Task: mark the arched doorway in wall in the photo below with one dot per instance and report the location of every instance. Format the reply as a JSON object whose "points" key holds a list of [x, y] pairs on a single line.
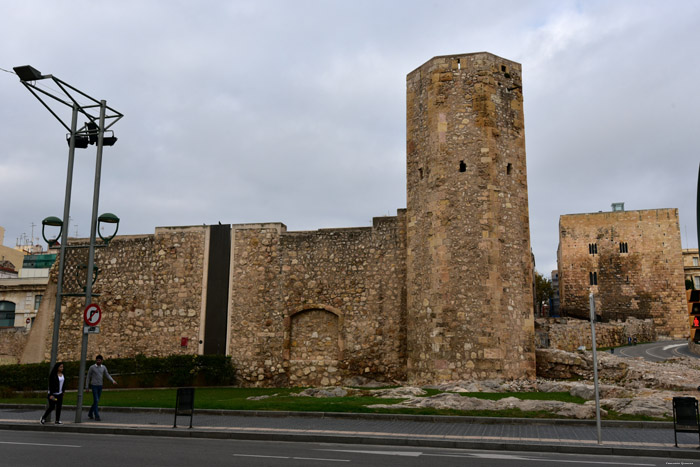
{"points": [[7, 314], [314, 345]]}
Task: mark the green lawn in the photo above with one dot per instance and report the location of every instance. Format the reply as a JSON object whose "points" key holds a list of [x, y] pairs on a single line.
{"points": [[236, 399]]}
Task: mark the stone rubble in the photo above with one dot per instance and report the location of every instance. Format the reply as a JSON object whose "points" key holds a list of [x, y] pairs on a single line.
{"points": [[630, 386]]}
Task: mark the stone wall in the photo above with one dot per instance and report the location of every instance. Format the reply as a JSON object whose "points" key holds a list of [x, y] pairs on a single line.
{"points": [[570, 334], [12, 342], [442, 291], [313, 308], [150, 291], [637, 262], [559, 364], [469, 266]]}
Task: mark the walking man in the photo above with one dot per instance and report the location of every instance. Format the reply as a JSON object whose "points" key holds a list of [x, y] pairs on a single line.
{"points": [[94, 382]]}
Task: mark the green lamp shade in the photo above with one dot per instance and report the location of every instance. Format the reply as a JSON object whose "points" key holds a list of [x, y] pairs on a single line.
{"points": [[53, 221]]}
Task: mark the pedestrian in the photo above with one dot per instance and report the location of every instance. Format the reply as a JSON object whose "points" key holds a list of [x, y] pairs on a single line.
{"points": [[94, 381], [56, 385]]}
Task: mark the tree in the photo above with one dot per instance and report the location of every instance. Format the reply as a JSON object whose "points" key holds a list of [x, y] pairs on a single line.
{"points": [[543, 291]]}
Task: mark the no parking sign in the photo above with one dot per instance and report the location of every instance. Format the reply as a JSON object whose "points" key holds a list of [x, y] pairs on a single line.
{"points": [[92, 315]]}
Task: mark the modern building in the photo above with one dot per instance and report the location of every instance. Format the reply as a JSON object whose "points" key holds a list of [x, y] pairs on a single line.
{"points": [[691, 267]]}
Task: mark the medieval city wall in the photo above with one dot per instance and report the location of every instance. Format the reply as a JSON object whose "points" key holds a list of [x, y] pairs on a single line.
{"points": [[150, 291], [570, 334], [469, 267], [313, 308], [644, 280], [12, 343]]}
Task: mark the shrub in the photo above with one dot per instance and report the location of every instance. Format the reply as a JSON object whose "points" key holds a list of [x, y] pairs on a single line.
{"points": [[139, 371]]}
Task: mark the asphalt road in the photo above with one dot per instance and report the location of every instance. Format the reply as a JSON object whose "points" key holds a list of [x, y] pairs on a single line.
{"points": [[32, 448], [657, 351]]}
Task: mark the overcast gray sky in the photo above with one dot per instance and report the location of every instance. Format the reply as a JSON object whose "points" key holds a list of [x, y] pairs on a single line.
{"points": [[294, 111]]}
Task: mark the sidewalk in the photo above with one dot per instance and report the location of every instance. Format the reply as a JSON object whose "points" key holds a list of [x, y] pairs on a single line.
{"points": [[653, 439]]}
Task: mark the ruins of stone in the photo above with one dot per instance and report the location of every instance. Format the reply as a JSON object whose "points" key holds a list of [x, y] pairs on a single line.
{"points": [[439, 292]]}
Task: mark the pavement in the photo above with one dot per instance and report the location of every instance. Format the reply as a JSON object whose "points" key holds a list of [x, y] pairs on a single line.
{"points": [[653, 439]]}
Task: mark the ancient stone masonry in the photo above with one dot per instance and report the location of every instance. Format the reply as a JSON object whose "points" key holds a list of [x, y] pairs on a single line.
{"points": [[440, 291], [12, 341], [150, 291], [631, 261], [318, 307], [570, 334], [469, 268]]}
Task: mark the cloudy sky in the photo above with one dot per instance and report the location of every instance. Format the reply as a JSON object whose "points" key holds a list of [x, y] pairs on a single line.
{"points": [[294, 111]]}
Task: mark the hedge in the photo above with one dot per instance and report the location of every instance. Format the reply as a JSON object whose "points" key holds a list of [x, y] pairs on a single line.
{"points": [[139, 371]]}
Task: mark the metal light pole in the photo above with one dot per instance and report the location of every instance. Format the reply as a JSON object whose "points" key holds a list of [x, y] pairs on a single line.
{"points": [[91, 263], [591, 300], [93, 132]]}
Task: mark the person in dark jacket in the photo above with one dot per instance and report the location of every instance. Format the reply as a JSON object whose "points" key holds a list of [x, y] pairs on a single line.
{"points": [[56, 390]]}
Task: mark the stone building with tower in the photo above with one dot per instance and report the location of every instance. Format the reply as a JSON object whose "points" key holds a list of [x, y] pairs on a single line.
{"points": [[630, 260], [441, 291]]}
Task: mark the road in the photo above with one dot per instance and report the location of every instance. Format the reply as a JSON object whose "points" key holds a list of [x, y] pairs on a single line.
{"points": [[34, 448], [657, 351]]}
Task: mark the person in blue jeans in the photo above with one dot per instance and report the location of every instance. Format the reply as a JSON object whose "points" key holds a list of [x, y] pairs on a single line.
{"points": [[94, 382]]}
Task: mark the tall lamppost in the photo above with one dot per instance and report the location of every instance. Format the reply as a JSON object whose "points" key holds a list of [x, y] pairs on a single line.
{"points": [[100, 118]]}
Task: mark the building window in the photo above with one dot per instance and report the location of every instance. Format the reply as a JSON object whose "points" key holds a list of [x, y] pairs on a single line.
{"points": [[696, 281], [623, 247], [7, 314], [593, 278], [37, 302], [695, 261], [592, 248]]}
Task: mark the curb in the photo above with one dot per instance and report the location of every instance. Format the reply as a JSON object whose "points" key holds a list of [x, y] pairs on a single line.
{"points": [[679, 453], [375, 416]]}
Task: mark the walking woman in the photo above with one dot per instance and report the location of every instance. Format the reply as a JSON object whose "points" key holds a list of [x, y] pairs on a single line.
{"points": [[56, 380]]}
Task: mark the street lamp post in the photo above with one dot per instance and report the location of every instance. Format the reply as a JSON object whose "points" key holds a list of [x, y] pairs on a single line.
{"points": [[93, 132]]}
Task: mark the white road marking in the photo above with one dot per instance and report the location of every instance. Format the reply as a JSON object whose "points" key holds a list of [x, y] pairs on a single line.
{"points": [[320, 459], [295, 458], [42, 444], [673, 346], [386, 453], [534, 459]]}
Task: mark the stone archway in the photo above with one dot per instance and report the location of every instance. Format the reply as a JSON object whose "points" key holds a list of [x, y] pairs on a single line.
{"points": [[313, 345]]}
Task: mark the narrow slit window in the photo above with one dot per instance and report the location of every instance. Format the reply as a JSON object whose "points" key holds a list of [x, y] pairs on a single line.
{"points": [[509, 169], [593, 278], [462, 166], [420, 172]]}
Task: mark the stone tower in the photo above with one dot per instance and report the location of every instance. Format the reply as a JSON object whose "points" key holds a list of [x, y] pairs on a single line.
{"points": [[469, 264]]}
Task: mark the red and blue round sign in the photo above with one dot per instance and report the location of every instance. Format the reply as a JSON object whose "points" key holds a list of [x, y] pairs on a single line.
{"points": [[92, 314]]}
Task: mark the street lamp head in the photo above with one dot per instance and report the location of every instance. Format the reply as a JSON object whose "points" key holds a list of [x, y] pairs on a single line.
{"points": [[51, 221], [81, 141], [107, 218], [93, 132], [28, 73]]}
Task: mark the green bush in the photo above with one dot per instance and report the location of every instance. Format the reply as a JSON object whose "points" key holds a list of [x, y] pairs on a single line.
{"points": [[139, 371]]}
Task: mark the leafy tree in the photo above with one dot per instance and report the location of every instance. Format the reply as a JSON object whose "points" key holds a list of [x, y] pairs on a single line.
{"points": [[543, 291]]}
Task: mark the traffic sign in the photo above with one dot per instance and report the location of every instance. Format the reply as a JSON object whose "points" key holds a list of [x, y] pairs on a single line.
{"points": [[92, 315]]}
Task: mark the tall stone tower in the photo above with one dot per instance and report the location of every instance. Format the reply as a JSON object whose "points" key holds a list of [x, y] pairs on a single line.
{"points": [[469, 264]]}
